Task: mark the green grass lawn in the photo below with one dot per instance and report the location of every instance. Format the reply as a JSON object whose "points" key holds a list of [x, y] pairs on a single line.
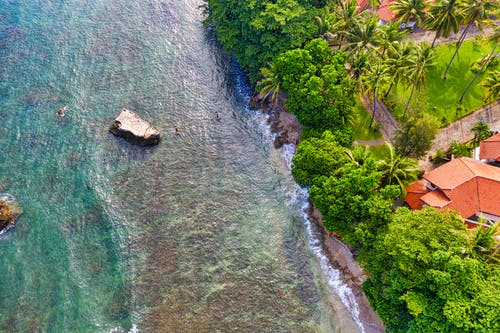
{"points": [[440, 97], [379, 152], [361, 127]]}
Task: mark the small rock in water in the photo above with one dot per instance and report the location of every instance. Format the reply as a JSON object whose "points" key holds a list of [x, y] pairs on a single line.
{"points": [[134, 129], [9, 212]]}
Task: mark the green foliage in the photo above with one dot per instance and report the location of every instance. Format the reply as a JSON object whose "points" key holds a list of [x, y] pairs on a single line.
{"points": [[426, 275], [398, 170], [415, 137], [481, 132], [492, 84], [460, 149], [318, 87], [257, 31], [351, 204], [316, 159]]}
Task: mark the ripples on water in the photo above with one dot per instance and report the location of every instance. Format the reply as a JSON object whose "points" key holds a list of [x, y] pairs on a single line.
{"points": [[198, 234]]}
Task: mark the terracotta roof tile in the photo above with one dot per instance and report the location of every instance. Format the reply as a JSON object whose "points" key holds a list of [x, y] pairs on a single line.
{"points": [[436, 199], [384, 12], [361, 5], [490, 148], [465, 185], [414, 192]]}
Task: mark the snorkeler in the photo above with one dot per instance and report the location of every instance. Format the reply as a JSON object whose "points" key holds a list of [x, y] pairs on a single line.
{"points": [[62, 111]]}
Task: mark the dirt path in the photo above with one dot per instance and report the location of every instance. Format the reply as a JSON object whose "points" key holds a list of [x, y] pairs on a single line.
{"points": [[420, 34], [385, 119]]}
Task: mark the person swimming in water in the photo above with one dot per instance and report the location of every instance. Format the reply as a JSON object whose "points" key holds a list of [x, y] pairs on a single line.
{"points": [[176, 130], [217, 115], [62, 111]]}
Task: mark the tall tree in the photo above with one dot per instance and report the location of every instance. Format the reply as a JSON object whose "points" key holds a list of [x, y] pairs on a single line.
{"points": [[398, 61], [474, 12], [422, 59], [443, 17], [414, 138], [270, 85], [364, 33], [490, 57], [492, 83], [389, 35], [398, 170], [374, 78], [408, 10], [426, 275], [347, 14]]}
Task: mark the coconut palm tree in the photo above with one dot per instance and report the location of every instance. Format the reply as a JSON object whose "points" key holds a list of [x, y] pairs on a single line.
{"points": [[398, 170], [390, 34], [423, 59], [270, 85], [326, 21], [408, 10], [347, 14], [492, 83], [398, 62], [486, 61], [358, 154], [443, 17], [484, 242], [363, 34], [375, 77], [474, 12]]}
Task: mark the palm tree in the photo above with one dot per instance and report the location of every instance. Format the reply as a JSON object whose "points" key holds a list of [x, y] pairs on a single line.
{"points": [[398, 170], [492, 83], [390, 34], [486, 61], [484, 243], [346, 13], [364, 33], [326, 21], [358, 154], [423, 59], [474, 12], [376, 76], [270, 85], [408, 10], [398, 62], [443, 17]]}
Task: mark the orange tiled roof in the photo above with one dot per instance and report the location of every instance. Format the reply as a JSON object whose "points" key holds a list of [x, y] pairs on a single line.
{"points": [[489, 149], [385, 12], [465, 185], [361, 5], [414, 192], [436, 199]]}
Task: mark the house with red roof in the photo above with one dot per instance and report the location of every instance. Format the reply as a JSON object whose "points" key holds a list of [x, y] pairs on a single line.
{"points": [[489, 149], [468, 186]]}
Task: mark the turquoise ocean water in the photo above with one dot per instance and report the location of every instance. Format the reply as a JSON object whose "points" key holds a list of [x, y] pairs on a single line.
{"points": [[197, 234]]}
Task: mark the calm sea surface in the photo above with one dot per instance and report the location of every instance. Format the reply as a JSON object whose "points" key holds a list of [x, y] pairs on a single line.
{"points": [[202, 233]]}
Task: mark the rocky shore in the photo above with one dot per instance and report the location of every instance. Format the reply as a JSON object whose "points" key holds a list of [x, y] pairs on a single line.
{"points": [[339, 254]]}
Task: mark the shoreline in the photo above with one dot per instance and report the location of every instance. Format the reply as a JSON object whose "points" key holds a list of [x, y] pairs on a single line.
{"points": [[338, 253]]}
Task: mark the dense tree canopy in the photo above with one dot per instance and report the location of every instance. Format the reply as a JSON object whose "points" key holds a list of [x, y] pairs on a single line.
{"points": [[257, 31], [317, 84], [425, 275]]}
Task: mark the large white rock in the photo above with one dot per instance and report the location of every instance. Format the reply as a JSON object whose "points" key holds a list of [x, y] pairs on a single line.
{"points": [[135, 129]]}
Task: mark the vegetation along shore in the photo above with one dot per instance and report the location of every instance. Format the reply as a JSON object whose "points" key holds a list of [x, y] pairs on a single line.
{"points": [[425, 269]]}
